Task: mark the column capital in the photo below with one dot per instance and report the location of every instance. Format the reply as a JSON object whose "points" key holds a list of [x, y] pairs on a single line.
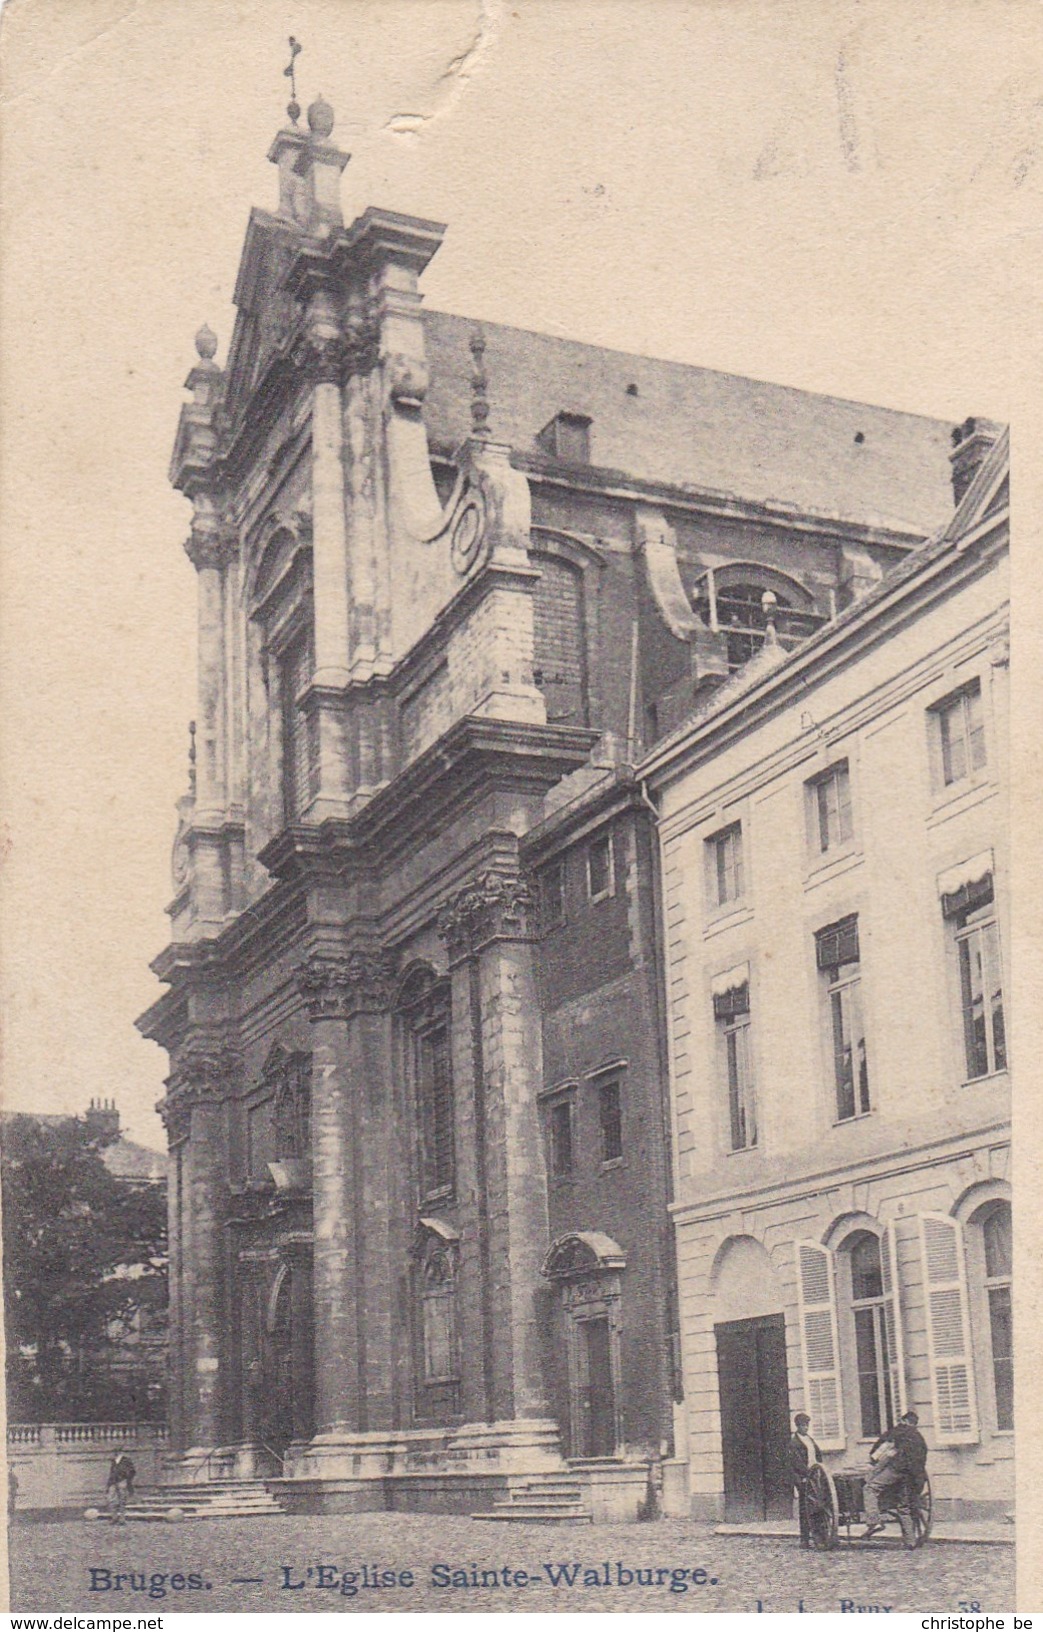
{"points": [[338, 985], [211, 549], [204, 1073], [323, 358], [494, 907]]}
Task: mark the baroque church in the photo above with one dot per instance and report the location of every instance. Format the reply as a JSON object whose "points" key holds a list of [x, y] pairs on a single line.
{"points": [[453, 582]]}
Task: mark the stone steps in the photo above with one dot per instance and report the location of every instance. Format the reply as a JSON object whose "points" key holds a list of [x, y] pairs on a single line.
{"points": [[221, 1499], [552, 1499]]}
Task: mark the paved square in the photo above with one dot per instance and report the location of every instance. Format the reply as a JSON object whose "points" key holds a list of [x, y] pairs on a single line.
{"points": [[672, 1564]]}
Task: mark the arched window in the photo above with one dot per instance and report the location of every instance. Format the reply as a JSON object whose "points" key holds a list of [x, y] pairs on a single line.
{"points": [[869, 1314], [559, 641], [730, 599]]}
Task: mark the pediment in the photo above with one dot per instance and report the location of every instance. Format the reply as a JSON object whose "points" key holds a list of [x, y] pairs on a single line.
{"points": [[266, 311]]}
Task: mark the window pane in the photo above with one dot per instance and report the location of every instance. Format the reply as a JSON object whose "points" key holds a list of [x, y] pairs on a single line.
{"points": [[997, 1236], [954, 745], [728, 865], [842, 1060], [741, 1104], [867, 1279], [991, 955], [826, 791], [1002, 1332], [844, 802], [868, 1371], [611, 1122], [972, 998], [975, 725]]}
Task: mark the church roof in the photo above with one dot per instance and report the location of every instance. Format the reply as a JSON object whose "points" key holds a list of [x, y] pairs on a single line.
{"points": [[125, 1159], [686, 426]]}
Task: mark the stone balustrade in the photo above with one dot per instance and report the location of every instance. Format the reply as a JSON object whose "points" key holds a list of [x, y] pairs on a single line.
{"points": [[64, 1464]]}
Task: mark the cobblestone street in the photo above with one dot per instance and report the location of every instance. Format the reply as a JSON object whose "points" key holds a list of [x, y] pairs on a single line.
{"points": [[691, 1568]]}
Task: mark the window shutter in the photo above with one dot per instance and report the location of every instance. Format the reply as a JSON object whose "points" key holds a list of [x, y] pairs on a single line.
{"points": [[820, 1346], [948, 1330], [893, 1317]]}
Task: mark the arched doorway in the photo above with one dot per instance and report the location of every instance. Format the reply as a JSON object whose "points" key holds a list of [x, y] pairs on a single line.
{"points": [[588, 1267], [753, 1381]]}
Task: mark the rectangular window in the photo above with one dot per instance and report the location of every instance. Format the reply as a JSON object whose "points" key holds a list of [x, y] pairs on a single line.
{"points": [[829, 797], [732, 1012], [436, 1110], [599, 867], [837, 955], [971, 911], [552, 894], [725, 865], [610, 1112], [299, 743], [560, 1127], [960, 726]]}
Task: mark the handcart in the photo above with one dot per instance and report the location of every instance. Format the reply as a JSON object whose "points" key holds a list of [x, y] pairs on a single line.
{"points": [[836, 1502]]}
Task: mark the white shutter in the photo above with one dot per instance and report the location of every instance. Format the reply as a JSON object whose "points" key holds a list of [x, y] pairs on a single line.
{"points": [[819, 1345], [948, 1330], [893, 1319]]}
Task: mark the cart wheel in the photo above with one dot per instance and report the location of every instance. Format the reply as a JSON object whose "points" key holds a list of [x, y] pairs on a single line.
{"points": [[823, 1513], [921, 1512]]}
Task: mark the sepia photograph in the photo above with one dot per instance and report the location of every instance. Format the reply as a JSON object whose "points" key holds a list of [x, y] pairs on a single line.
{"points": [[508, 915]]}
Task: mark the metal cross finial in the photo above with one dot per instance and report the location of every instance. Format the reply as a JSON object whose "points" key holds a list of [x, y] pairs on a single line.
{"points": [[290, 73]]}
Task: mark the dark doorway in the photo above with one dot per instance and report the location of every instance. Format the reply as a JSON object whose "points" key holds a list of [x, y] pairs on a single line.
{"points": [[596, 1428], [751, 1369]]}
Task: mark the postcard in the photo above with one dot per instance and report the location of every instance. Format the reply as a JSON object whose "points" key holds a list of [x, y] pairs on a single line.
{"points": [[511, 922]]}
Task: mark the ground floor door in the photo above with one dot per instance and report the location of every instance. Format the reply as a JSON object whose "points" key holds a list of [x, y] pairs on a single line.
{"points": [[595, 1430], [754, 1391]]}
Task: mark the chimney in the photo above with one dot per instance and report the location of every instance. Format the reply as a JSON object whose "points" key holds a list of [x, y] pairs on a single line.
{"points": [[971, 442], [103, 1119]]}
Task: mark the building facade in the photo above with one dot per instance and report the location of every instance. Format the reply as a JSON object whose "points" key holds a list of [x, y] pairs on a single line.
{"points": [[452, 582], [835, 864]]}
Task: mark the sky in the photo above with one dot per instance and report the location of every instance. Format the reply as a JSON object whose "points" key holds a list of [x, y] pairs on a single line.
{"points": [[841, 195]]}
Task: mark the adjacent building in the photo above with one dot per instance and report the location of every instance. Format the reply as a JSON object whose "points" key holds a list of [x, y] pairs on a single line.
{"points": [[453, 583], [835, 884]]}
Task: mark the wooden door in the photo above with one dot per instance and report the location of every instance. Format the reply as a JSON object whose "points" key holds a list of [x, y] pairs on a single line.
{"points": [[596, 1435], [754, 1393]]}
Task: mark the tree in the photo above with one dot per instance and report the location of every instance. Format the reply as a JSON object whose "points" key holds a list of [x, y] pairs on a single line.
{"points": [[84, 1255]]}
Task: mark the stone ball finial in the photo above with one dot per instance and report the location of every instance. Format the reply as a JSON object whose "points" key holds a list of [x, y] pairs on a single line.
{"points": [[320, 118], [206, 343]]}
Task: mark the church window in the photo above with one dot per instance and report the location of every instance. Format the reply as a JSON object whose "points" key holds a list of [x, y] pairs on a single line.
{"points": [[610, 1116], [599, 867], [299, 733], [732, 1013], [435, 1082], [293, 1109], [560, 1138]]}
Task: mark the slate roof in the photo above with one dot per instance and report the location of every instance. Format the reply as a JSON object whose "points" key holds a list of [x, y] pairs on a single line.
{"points": [[696, 427]]}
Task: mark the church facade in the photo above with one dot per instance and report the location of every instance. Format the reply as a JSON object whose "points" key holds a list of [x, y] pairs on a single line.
{"points": [[452, 583]]}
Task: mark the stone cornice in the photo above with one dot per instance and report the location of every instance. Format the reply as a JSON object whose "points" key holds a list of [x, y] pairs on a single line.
{"points": [[475, 755], [495, 907], [338, 985]]}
